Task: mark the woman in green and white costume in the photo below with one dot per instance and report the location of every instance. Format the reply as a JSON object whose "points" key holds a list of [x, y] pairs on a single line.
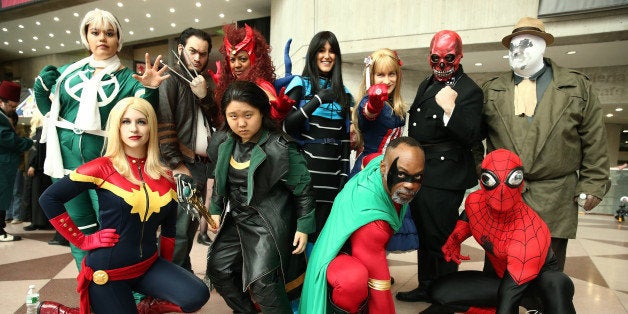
{"points": [[76, 100]]}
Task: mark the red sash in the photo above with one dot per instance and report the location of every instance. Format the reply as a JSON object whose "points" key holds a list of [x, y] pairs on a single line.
{"points": [[87, 275]]}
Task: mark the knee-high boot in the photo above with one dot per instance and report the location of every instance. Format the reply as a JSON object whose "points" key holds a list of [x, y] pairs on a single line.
{"points": [[269, 293]]}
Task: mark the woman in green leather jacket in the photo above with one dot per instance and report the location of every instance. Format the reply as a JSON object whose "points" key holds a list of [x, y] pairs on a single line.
{"points": [[264, 179]]}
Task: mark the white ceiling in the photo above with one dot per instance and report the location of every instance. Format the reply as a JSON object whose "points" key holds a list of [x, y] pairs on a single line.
{"points": [[58, 31], [38, 21]]}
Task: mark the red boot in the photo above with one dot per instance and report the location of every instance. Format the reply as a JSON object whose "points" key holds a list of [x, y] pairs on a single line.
{"points": [[150, 305], [51, 307]]}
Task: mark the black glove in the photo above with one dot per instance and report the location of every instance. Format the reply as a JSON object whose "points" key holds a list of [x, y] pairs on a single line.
{"points": [[326, 95]]}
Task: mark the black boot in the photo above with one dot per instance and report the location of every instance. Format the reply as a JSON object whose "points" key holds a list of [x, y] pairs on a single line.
{"points": [[427, 272], [203, 239], [269, 293], [335, 309]]}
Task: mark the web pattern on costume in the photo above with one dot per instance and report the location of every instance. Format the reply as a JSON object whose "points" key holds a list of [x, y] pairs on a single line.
{"points": [[514, 236]]}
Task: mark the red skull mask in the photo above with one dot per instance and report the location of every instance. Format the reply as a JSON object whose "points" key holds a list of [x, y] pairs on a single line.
{"points": [[445, 54], [502, 179]]}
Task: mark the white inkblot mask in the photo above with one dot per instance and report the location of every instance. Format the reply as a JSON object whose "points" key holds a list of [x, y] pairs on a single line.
{"points": [[526, 54]]}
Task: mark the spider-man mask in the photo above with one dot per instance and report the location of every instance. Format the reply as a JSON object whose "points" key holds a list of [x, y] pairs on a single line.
{"points": [[502, 179], [445, 54]]}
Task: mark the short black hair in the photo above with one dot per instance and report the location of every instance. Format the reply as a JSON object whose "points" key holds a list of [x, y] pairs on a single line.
{"points": [[251, 94], [190, 31], [404, 140]]}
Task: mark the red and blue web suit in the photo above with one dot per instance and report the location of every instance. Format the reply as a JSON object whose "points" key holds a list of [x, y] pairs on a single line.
{"points": [[516, 242], [125, 247]]}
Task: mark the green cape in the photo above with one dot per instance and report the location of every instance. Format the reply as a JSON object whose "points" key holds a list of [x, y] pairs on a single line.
{"points": [[362, 200]]}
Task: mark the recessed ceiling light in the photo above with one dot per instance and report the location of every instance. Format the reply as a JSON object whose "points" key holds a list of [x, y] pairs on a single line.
{"points": [[619, 109], [131, 33], [151, 28], [20, 26], [6, 43], [51, 35], [33, 49], [62, 44], [221, 15], [20, 51], [249, 10], [196, 20], [571, 52], [47, 47], [148, 15], [75, 14], [67, 31], [56, 19], [35, 37], [478, 64], [505, 57], [77, 42], [173, 24], [625, 131], [126, 19], [19, 40], [37, 23], [172, 10], [120, 4], [198, 4], [609, 115], [4, 29]]}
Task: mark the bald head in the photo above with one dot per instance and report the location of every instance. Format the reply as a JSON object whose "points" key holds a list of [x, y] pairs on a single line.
{"points": [[402, 169]]}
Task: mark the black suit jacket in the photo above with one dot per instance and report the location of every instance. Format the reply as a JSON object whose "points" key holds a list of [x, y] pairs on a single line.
{"points": [[449, 163]]}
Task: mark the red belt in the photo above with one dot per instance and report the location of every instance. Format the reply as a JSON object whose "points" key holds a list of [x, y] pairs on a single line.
{"points": [[101, 277]]}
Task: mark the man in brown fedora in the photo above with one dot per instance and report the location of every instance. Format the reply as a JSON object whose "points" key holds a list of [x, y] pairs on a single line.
{"points": [[552, 119], [11, 148]]}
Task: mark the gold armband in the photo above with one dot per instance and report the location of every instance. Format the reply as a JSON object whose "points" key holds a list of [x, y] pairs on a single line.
{"points": [[377, 284]]}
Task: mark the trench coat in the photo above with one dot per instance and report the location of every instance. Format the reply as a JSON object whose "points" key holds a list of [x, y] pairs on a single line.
{"points": [[563, 147]]}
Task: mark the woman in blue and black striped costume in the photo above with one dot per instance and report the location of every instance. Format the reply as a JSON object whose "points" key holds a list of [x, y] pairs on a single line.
{"points": [[320, 121]]}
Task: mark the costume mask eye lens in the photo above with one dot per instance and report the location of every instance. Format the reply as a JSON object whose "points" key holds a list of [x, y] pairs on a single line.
{"points": [[515, 178], [434, 58], [488, 180], [450, 58]]}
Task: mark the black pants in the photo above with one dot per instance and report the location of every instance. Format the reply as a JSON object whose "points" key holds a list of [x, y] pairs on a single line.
{"points": [[464, 289], [435, 213], [224, 269], [163, 280]]}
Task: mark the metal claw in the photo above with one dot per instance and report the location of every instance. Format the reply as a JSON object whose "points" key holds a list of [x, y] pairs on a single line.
{"points": [[183, 64], [175, 72]]}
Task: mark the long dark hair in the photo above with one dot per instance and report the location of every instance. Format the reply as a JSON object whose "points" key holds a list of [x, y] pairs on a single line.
{"points": [[312, 72], [251, 94]]}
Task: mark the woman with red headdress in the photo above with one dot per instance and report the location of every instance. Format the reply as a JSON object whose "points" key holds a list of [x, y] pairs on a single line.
{"points": [[247, 55]]}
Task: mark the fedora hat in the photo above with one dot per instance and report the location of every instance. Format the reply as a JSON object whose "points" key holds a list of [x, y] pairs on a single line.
{"points": [[529, 25], [10, 91]]}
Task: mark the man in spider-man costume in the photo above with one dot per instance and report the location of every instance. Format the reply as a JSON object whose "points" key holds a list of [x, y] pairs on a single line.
{"points": [[516, 241]]}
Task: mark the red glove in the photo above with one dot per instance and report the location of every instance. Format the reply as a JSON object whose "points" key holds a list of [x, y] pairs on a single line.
{"points": [[378, 94], [68, 229], [216, 76], [280, 107], [166, 248], [451, 248]]}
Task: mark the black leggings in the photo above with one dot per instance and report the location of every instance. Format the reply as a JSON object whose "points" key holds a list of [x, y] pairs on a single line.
{"points": [[472, 288], [163, 280]]}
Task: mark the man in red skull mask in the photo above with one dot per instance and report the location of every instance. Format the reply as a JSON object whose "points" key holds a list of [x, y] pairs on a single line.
{"points": [[517, 244], [445, 118]]}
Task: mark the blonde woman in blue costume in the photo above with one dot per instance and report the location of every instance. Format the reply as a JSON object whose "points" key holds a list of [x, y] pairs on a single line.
{"points": [[88, 88]]}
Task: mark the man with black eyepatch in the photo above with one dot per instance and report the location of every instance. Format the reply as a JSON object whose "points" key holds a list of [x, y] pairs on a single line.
{"points": [[349, 256]]}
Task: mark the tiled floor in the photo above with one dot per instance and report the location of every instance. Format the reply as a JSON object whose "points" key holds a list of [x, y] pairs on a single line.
{"points": [[597, 262]]}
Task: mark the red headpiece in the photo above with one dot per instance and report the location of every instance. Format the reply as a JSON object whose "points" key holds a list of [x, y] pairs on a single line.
{"points": [[247, 44]]}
